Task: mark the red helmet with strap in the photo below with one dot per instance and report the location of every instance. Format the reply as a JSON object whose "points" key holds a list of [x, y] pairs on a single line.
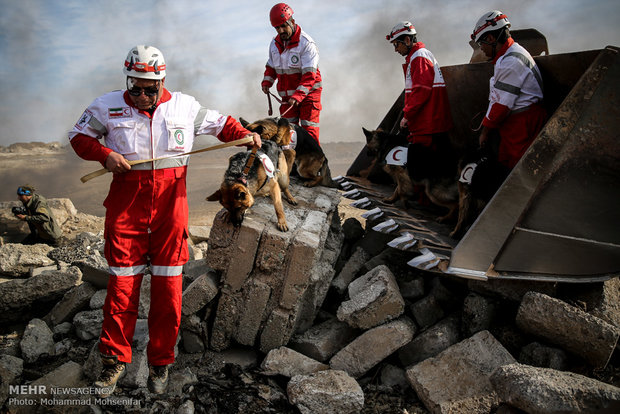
{"points": [[279, 14]]}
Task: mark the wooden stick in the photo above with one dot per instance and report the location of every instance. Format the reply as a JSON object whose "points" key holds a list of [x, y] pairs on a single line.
{"points": [[102, 171]]}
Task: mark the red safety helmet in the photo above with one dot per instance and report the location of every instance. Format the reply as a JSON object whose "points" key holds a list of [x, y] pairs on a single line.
{"points": [[279, 14]]}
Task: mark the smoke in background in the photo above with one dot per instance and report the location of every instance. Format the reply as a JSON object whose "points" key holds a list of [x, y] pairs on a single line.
{"points": [[59, 55]]}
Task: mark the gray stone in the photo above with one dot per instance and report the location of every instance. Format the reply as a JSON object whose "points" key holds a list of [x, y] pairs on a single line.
{"points": [[322, 341], [538, 355], [10, 371], [88, 324], [17, 259], [372, 347], [394, 377], [568, 327], [431, 342], [326, 392], [458, 379], [350, 270], [478, 313], [374, 300], [19, 295], [73, 301], [38, 340], [200, 292], [412, 289], [95, 269], [284, 361], [98, 299], [547, 391], [199, 233], [179, 380], [427, 311]]}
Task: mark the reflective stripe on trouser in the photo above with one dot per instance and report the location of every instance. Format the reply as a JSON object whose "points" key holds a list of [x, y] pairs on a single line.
{"points": [[306, 114], [146, 222]]}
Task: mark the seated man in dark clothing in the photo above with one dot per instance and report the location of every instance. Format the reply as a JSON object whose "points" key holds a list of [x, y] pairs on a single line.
{"points": [[43, 226]]}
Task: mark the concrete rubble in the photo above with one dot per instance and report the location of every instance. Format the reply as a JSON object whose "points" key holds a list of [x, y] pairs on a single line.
{"points": [[324, 318]]}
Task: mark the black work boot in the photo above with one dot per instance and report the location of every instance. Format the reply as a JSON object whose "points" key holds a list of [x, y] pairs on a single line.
{"points": [[112, 371], [158, 378]]}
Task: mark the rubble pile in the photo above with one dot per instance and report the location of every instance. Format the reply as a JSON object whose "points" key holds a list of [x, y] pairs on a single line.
{"points": [[324, 318]]}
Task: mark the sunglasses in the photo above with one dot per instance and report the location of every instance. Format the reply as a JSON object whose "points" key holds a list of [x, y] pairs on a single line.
{"points": [[135, 91], [22, 191]]}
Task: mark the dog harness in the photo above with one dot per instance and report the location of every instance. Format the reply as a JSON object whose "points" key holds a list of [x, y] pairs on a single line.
{"points": [[397, 156]]}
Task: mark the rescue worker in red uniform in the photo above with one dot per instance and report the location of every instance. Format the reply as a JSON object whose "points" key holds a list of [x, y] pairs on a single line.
{"points": [[146, 207], [426, 114], [516, 90], [294, 62]]}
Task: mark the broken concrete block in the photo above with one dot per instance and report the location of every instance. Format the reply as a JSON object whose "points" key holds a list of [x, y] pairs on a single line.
{"points": [[478, 313], [10, 370], [458, 379], [374, 300], [326, 392], [199, 233], [427, 311], [284, 361], [95, 270], [545, 390], [137, 372], [538, 355], [19, 295], [431, 342], [200, 292], [88, 324], [193, 333], [97, 300], [394, 377], [38, 340], [16, 259], [322, 341], [73, 301], [372, 347], [350, 269], [568, 327], [412, 289], [257, 297]]}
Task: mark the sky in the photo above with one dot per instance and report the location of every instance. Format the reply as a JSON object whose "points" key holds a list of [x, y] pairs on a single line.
{"points": [[58, 56]]}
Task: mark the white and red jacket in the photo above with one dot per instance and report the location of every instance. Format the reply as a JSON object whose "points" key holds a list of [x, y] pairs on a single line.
{"points": [[138, 136], [515, 85], [295, 64], [427, 108]]}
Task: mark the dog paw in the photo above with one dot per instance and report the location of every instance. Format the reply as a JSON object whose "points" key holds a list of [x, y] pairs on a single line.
{"points": [[282, 226]]}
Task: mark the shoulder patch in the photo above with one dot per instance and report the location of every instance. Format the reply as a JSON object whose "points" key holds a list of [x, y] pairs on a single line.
{"points": [[84, 119]]}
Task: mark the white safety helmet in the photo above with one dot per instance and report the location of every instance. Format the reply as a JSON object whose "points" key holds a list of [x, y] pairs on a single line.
{"points": [[401, 29], [489, 22], [145, 62]]}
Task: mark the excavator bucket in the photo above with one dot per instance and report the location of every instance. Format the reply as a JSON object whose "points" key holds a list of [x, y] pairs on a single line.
{"points": [[556, 217]]}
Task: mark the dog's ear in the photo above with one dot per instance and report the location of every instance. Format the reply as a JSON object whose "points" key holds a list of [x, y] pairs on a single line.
{"points": [[283, 122], [243, 122], [217, 196], [368, 134]]}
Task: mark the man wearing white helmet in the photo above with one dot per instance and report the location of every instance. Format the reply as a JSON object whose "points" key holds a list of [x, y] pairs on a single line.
{"points": [[426, 113], [294, 62], [516, 89], [146, 207]]}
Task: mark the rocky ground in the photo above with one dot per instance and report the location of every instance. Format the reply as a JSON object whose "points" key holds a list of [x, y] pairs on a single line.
{"points": [[384, 338]]}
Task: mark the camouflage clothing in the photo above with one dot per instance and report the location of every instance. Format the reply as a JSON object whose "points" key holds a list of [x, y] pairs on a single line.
{"points": [[43, 226]]}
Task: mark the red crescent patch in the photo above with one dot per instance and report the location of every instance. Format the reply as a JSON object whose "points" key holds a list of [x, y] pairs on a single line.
{"points": [[394, 155]]}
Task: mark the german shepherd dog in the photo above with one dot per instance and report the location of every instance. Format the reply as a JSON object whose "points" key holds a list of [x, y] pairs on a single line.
{"points": [[439, 186], [300, 149], [238, 190], [480, 175]]}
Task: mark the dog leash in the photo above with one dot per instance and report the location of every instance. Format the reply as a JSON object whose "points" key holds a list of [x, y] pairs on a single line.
{"points": [[241, 141], [250, 161], [280, 101]]}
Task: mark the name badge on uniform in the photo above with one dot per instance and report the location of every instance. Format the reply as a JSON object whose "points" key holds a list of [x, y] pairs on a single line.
{"points": [[397, 156]]}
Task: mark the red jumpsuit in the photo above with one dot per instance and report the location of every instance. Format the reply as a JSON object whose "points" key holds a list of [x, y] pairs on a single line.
{"points": [[514, 102], [427, 108], [295, 64], [146, 210]]}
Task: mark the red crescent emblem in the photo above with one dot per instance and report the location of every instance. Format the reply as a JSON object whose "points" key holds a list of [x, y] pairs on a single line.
{"points": [[394, 155], [265, 165]]}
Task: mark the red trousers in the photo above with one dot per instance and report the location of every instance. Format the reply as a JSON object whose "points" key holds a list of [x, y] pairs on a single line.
{"points": [[146, 225], [306, 114], [517, 132]]}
